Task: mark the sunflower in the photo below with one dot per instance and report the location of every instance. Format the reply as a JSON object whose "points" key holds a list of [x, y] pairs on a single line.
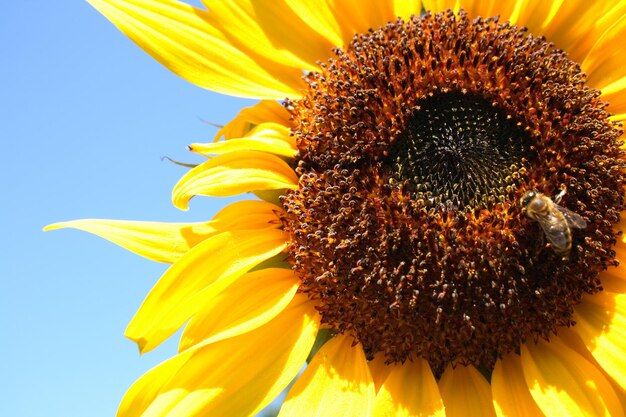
{"points": [[437, 224]]}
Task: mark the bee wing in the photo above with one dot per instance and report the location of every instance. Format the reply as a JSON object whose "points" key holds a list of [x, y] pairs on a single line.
{"points": [[573, 220], [555, 230]]}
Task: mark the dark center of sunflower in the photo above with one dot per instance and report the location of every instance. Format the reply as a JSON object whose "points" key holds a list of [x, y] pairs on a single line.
{"points": [[457, 150], [415, 146]]}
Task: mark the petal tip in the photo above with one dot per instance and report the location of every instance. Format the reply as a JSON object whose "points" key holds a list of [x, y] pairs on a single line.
{"points": [[55, 226], [141, 343], [180, 202], [96, 4], [183, 206]]}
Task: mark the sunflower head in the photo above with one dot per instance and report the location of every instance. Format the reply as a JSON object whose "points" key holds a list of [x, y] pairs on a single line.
{"points": [[440, 228], [415, 144]]}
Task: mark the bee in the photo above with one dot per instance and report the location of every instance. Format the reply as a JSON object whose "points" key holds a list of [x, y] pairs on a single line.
{"points": [[556, 221]]}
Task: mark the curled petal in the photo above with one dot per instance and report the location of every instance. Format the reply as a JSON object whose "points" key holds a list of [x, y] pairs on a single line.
{"points": [[234, 173], [265, 111], [267, 137]]}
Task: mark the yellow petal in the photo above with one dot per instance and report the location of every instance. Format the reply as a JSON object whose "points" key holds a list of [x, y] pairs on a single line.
{"points": [[337, 382], [356, 16], [620, 251], [271, 196], [570, 337], [271, 30], [233, 377], [536, 15], [436, 6], [262, 112], [269, 145], [507, 10], [320, 16], [145, 391], [573, 25], [511, 397], [619, 117], [251, 301], [267, 137], [614, 278], [579, 23], [185, 40], [463, 388], [604, 65], [621, 227], [273, 130], [166, 242], [379, 370], [601, 324], [204, 271], [160, 242], [409, 391], [489, 8], [247, 214], [602, 61], [234, 173], [407, 8], [613, 94], [339, 21], [563, 382]]}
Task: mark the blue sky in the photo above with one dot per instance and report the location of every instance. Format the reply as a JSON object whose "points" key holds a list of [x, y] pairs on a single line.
{"points": [[85, 118]]}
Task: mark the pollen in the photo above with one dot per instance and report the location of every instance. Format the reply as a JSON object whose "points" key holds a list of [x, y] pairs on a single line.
{"points": [[415, 144]]}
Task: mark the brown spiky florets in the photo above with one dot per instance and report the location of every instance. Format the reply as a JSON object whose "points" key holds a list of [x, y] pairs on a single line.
{"points": [[415, 145]]}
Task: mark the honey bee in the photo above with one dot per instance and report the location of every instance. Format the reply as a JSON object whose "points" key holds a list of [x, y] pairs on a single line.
{"points": [[556, 221]]}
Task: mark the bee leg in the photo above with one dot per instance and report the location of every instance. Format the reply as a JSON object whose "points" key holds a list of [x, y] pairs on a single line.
{"points": [[559, 196]]}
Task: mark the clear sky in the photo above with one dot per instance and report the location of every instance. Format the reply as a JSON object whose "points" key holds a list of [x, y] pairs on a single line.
{"points": [[85, 117]]}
